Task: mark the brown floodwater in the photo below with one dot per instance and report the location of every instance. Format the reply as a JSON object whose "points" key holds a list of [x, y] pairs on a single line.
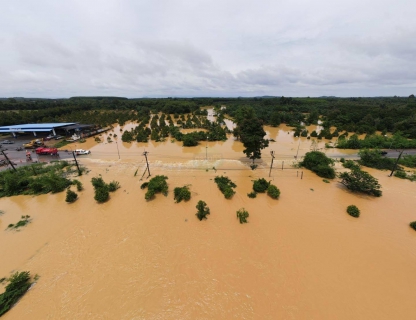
{"points": [[299, 257]]}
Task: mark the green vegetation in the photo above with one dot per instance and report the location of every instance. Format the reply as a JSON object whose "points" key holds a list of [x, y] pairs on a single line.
{"points": [[242, 215], [273, 191], [226, 186], [23, 222], [319, 163], [361, 181], [181, 194], [19, 283], [102, 189], [252, 194], [203, 210], [61, 144], [144, 185], [251, 133], [79, 185], [71, 196], [353, 211], [413, 225], [113, 186], [36, 179], [157, 184], [374, 159], [350, 164], [260, 185], [326, 181]]}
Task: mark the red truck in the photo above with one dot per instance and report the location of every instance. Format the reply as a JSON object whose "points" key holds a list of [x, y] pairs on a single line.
{"points": [[51, 151]]}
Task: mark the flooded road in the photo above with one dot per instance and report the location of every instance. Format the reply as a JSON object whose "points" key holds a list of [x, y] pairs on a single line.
{"points": [[299, 257]]}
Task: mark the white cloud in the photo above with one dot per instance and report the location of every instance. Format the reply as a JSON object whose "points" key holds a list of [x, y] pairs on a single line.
{"points": [[200, 48]]}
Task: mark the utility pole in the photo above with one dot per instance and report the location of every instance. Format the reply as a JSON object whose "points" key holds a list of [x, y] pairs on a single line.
{"points": [[117, 150], [206, 150], [395, 165], [8, 161], [76, 162], [296, 157], [271, 165], [147, 163]]}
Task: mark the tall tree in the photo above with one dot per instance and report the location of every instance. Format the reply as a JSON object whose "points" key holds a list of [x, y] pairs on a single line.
{"points": [[251, 133]]}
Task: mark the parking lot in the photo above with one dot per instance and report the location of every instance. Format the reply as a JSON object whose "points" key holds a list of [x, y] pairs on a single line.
{"points": [[17, 154]]}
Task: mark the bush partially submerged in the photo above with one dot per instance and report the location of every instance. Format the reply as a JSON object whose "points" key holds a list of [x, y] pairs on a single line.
{"points": [[203, 210], [260, 185], [71, 196], [181, 194], [157, 184], [413, 225], [78, 184], [353, 211], [226, 186], [361, 181], [319, 163], [24, 221], [252, 194], [273, 191], [242, 215], [102, 189], [19, 283]]}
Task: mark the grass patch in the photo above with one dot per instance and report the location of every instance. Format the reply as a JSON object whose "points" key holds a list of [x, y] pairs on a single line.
{"points": [[226, 186], [252, 194], [353, 211], [61, 144], [242, 215], [413, 225], [19, 283], [326, 181]]}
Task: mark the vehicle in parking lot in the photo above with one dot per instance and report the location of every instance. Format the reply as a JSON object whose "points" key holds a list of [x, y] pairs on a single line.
{"points": [[383, 153], [79, 152], [7, 142]]}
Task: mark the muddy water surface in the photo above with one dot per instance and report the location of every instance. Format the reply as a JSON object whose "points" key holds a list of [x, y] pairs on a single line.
{"points": [[299, 257]]}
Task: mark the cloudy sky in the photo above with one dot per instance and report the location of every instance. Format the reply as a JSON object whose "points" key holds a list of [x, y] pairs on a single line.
{"points": [[161, 48]]}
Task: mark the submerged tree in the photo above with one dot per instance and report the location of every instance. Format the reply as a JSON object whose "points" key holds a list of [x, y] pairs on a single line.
{"points": [[251, 133], [361, 181]]}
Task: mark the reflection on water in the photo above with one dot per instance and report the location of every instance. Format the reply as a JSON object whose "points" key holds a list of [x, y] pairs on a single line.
{"points": [[299, 257]]}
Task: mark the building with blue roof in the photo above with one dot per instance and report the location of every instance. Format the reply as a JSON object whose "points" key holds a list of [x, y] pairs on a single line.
{"points": [[35, 127]]}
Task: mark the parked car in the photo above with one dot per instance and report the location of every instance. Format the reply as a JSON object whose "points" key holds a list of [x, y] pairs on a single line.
{"points": [[383, 153], [50, 137], [82, 151], [7, 142]]}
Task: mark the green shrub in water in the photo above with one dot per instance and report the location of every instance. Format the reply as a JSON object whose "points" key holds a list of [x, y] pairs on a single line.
{"points": [[242, 215], [353, 211], [203, 210], [181, 194]]}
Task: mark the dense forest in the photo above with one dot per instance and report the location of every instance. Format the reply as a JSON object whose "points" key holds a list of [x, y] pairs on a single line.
{"points": [[395, 115]]}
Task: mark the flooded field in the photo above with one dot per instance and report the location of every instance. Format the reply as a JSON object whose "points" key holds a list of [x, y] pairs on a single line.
{"points": [[299, 257]]}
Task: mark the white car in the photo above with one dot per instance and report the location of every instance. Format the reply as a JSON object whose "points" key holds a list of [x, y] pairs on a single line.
{"points": [[82, 151]]}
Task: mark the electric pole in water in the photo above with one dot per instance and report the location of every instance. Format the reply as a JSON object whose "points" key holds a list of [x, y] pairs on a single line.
{"points": [[147, 163], [117, 150], [271, 165], [206, 150], [395, 165], [76, 162], [8, 161]]}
